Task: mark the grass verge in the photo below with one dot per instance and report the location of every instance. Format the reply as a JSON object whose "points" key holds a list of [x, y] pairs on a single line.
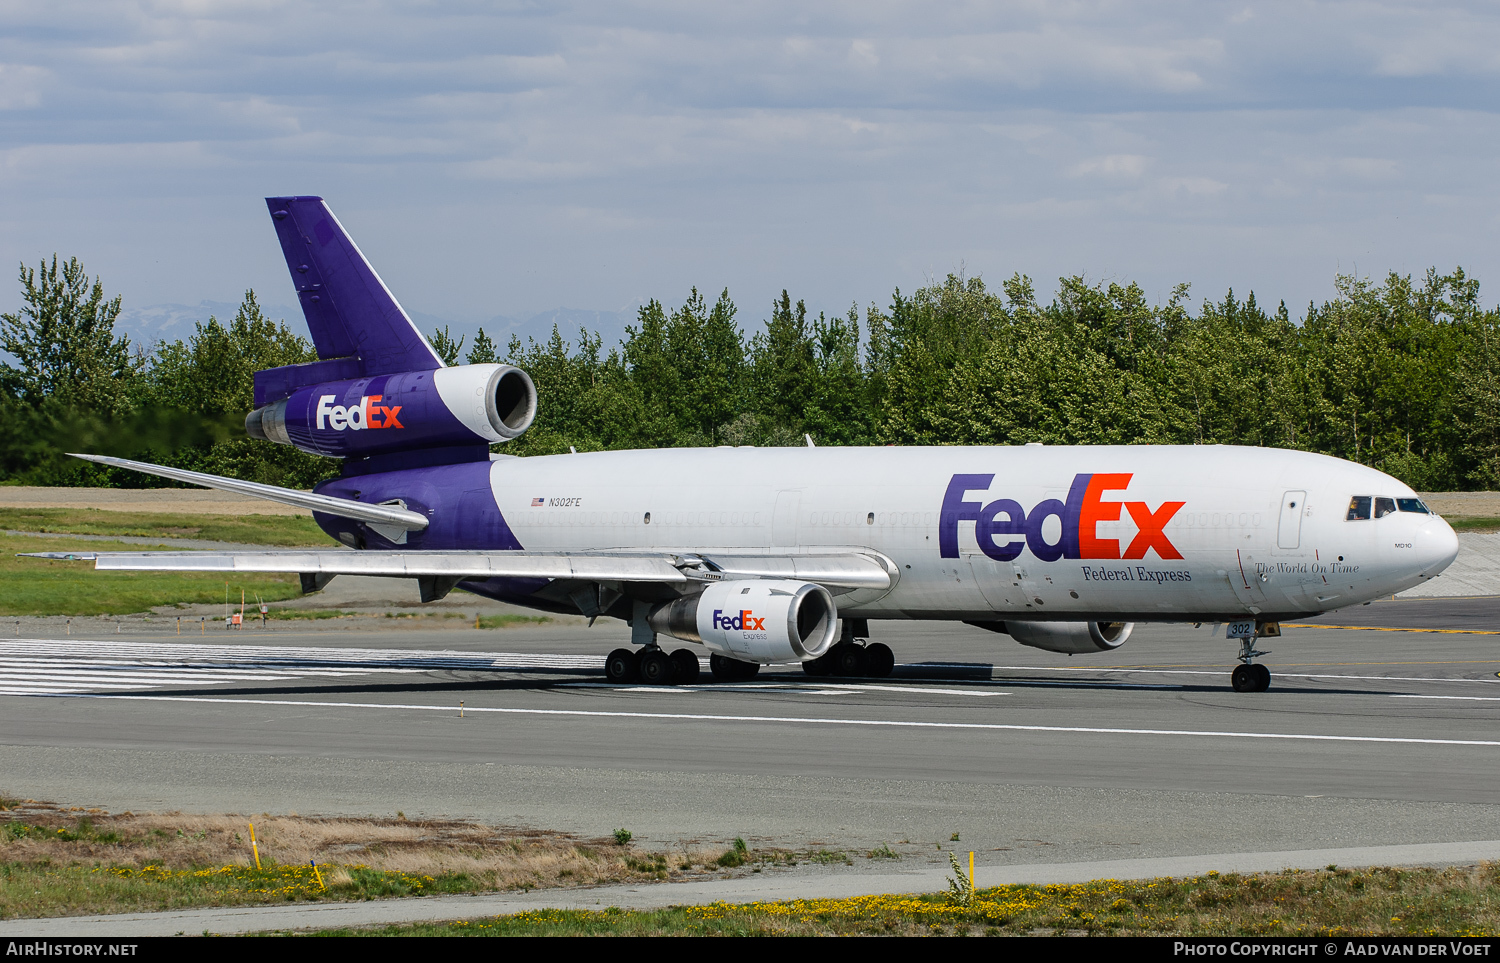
{"points": [[488, 621], [36, 586], [289, 531], [1323, 903], [63, 862], [1475, 524], [57, 862]]}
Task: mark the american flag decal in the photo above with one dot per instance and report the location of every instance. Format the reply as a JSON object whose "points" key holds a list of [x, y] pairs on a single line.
{"points": [[538, 502]]}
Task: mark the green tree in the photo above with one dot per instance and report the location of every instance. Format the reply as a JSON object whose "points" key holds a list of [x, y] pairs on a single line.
{"points": [[446, 348], [213, 373], [64, 342], [200, 391], [482, 351]]}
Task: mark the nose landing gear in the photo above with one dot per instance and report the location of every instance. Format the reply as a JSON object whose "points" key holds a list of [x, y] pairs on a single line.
{"points": [[1249, 675]]}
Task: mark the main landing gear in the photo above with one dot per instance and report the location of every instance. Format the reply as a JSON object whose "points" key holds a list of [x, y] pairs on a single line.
{"points": [[854, 654], [652, 666], [1249, 675]]}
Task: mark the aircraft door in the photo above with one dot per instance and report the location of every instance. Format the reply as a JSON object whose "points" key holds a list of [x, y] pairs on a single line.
{"points": [[1289, 526], [784, 522], [993, 583]]}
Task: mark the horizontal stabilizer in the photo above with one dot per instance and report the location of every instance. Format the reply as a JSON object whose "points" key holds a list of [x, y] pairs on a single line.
{"points": [[327, 504]]}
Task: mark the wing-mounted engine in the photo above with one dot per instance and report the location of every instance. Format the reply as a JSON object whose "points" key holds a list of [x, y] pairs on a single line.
{"points": [[754, 620], [1072, 638], [445, 407]]}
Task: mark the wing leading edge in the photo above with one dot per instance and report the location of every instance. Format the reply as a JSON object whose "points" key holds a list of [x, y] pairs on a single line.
{"points": [[853, 570]]}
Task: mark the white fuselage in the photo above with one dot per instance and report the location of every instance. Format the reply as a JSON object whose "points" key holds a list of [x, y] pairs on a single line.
{"points": [[1161, 533]]}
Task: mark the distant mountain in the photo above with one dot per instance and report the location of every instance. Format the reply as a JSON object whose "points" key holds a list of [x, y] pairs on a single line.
{"points": [[176, 322], [609, 325]]}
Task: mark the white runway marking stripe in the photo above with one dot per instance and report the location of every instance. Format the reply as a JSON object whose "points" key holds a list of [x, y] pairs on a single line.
{"points": [[801, 688], [61, 666], [817, 721], [1221, 673], [1454, 698]]}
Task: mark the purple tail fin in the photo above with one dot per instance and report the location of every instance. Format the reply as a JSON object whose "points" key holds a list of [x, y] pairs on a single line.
{"points": [[354, 319]]}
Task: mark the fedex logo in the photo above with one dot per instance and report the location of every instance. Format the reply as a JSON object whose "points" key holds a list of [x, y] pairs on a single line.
{"points": [[741, 621], [366, 414], [1003, 528]]}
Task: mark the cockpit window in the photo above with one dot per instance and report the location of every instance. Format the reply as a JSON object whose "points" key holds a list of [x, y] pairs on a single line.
{"points": [[1384, 507], [1359, 508], [1413, 505]]}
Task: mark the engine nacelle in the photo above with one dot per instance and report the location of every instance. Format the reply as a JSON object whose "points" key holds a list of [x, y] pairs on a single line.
{"points": [[461, 405], [1072, 638], [755, 620]]}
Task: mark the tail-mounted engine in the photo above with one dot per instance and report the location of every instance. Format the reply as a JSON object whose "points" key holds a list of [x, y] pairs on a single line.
{"points": [[755, 620], [1072, 638], [461, 405]]}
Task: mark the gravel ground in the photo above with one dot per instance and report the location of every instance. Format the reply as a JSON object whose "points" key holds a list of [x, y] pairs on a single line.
{"points": [[188, 500]]}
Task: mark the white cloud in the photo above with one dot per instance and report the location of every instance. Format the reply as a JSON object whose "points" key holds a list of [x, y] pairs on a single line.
{"points": [[21, 86], [589, 153], [1113, 165]]}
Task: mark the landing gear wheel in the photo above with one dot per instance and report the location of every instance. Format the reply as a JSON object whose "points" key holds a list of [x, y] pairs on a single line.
{"points": [[849, 659], [1250, 677], [621, 666], [656, 668], [879, 660], [819, 666], [731, 670], [685, 661]]}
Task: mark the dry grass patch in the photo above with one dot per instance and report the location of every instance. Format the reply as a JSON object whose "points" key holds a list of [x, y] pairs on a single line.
{"points": [[61, 861]]}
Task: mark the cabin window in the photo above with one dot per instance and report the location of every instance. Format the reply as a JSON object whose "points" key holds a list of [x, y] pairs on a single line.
{"points": [[1413, 505], [1384, 507], [1359, 508]]}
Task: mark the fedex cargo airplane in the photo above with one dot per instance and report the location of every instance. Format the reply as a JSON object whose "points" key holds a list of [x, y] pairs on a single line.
{"points": [[777, 555]]}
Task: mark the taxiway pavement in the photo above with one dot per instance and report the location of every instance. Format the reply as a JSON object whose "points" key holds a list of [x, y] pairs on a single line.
{"points": [[1367, 737]]}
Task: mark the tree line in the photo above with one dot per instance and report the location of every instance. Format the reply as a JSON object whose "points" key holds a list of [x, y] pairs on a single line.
{"points": [[1399, 374]]}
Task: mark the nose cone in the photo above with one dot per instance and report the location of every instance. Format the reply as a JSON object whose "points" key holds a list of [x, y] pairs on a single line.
{"points": [[1438, 544]]}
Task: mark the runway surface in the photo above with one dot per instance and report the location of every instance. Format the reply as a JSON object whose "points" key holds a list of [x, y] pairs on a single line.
{"points": [[1367, 738]]}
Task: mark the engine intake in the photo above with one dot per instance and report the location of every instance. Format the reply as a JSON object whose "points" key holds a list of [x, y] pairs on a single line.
{"points": [[1072, 638], [755, 620], [461, 405]]}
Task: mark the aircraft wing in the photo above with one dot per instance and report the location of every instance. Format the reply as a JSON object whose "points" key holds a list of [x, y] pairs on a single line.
{"points": [[852, 570]]}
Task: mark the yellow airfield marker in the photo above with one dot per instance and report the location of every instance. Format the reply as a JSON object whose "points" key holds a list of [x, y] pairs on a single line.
{"points": [[253, 847], [1381, 628]]}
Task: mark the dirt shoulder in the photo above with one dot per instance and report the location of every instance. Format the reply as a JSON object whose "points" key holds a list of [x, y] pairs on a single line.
{"points": [[197, 501]]}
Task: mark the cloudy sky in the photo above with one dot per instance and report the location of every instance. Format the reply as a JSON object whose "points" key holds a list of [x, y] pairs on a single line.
{"points": [[506, 158]]}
